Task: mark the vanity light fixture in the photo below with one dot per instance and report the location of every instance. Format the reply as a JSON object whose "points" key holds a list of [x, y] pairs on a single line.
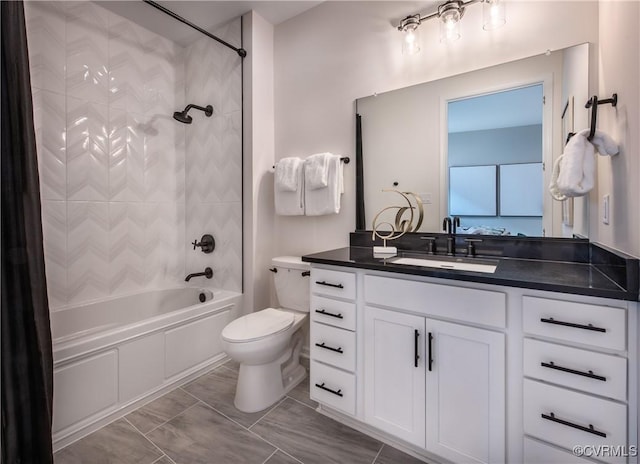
{"points": [[450, 13]]}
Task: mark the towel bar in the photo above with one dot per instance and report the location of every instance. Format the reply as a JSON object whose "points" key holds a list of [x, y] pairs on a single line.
{"points": [[344, 159], [594, 102]]}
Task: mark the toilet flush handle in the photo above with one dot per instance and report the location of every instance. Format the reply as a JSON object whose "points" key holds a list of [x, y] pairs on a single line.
{"points": [[306, 273]]}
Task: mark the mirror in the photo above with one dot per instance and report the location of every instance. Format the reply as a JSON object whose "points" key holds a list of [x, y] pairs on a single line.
{"points": [[442, 141]]}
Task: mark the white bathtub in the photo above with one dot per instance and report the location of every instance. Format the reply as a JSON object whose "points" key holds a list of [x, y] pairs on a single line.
{"points": [[113, 355]]}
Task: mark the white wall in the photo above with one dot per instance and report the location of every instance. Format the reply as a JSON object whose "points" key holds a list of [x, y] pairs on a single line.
{"points": [[619, 71], [258, 160], [340, 51]]}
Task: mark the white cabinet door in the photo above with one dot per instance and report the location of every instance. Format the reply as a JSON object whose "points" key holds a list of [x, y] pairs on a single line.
{"points": [[465, 393], [394, 388]]}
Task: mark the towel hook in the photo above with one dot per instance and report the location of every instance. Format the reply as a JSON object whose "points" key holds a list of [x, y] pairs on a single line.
{"points": [[593, 103]]}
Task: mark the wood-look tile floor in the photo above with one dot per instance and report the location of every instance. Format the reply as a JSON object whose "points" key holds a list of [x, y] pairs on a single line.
{"points": [[198, 424]]}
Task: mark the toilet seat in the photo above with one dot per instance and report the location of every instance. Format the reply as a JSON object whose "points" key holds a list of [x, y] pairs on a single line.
{"points": [[258, 325]]}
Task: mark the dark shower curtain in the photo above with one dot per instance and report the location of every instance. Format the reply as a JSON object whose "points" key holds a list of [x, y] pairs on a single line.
{"points": [[27, 365]]}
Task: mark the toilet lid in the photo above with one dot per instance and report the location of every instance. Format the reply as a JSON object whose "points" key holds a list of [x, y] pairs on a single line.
{"points": [[257, 325]]}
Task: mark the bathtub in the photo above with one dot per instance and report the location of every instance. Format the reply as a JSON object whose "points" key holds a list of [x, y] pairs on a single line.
{"points": [[113, 355]]}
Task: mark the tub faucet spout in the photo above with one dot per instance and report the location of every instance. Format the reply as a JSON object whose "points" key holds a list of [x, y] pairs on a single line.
{"points": [[208, 273]]}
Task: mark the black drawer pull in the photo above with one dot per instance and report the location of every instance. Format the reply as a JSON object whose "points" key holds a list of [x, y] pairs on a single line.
{"points": [[322, 311], [416, 356], [551, 416], [330, 348], [306, 273], [338, 393], [430, 337], [326, 284], [589, 374], [571, 324]]}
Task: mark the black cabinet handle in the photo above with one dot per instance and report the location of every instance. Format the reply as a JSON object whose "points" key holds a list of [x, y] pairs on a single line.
{"points": [[416, 356], [322, 311], [551, 417], [571, 324], [589, 374], [326, 284], [338, 393], [330, 348], [430, 337]]}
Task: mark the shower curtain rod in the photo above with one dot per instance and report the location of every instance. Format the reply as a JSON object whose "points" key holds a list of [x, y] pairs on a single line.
{"points": [[240, 51]]}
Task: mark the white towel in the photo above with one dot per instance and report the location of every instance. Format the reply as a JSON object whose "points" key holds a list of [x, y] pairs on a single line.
{"points": [[326, 200], [316, 170], [290, 203], [288, 174], [574, 171]]}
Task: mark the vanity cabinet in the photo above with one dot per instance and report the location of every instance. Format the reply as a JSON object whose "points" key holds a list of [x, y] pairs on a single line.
{"points": [[466, 372], [394, 373], [575, 395], [332, 339], [436, 384]]}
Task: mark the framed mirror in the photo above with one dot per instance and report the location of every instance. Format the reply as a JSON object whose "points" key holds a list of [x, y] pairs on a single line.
{"points": [[471, 136]]}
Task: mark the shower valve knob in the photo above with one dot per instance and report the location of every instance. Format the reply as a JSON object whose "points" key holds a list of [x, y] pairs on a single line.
{"points": [[207, 243]]}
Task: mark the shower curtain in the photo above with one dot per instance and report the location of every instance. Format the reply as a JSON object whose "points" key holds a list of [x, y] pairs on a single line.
{"points": [[27, 365]]}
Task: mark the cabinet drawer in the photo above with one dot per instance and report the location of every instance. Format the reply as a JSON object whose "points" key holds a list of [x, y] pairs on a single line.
{"points": [[333, 312], [597, 373], [600, 326], [572, 418], [468, 304], [333, 283], [333, 346], [536, 452], [333, 387]]}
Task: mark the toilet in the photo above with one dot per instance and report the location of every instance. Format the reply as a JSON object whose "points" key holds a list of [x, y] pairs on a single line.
{"points": [[267, 343]]}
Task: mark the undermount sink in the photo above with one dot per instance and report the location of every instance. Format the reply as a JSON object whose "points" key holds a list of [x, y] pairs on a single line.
{"points": [[455, 264]]}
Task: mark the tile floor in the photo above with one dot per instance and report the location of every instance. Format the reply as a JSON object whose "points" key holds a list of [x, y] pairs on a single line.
{"points": [[197, 423]]}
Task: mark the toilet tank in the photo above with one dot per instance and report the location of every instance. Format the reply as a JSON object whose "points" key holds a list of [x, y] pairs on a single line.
{"points": [[292, 288]]}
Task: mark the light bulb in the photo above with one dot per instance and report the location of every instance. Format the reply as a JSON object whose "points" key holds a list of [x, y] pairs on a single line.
{"points": [[449, 29], [493, 14], [410, 44]]}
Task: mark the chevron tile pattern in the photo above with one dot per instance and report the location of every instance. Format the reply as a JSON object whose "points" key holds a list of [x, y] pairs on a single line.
{"points": [[87, 150], [128, 65], [127, 247], [87, 250], [123, 185], [87, 73], [49, 118], [163, 244], [46, 24], [126, 156], [214, 159], [54, 229], [224, 222]]}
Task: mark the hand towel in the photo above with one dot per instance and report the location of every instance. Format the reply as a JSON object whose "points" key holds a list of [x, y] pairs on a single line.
{"points": [[326, 200], [290, 203], [316, 170], [287, 174], [574, 171]]}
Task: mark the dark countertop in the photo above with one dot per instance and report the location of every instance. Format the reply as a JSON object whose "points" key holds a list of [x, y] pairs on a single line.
{"points": [[553, 276]]}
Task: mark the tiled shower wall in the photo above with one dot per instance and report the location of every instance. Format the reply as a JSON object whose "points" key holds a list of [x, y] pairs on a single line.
{"points": [[214, 157], [111, 157]]}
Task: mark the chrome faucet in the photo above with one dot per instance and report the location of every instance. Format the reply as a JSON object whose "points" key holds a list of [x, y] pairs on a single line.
{"points": [[208, 273], [449, 226]]}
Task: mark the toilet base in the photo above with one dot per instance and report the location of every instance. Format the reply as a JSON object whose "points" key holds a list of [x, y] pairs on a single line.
{"points": [[262, 386]]}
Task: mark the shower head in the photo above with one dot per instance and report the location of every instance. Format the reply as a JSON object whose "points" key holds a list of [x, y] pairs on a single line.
{"points": [[186, 119]]}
